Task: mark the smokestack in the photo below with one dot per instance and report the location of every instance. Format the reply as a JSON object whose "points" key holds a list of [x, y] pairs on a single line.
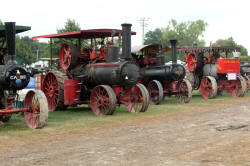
{"points": [[173, 47], [10, 33], [126, 41]]}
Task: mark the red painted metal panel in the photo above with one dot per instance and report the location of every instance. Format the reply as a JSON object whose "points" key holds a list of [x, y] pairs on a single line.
{"points": [[71, 92], [86, 34], [38, 81], [227, 65]]}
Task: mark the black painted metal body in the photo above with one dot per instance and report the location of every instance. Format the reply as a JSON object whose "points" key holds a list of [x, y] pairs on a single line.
{"points": [[172, 72], [12, 76]]}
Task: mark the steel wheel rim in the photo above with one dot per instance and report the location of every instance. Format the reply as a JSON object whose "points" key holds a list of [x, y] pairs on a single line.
{"points": [[237, 89], [100, 101], [155, 92], [32, 102], [51, 90], [206, 87], [183, 92], [136, 98]]}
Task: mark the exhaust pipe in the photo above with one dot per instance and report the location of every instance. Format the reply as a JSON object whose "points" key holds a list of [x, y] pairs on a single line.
{"points": [[126, 41], [173, 47], [10, 34]]}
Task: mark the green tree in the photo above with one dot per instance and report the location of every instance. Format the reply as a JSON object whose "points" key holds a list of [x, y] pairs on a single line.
{"points": [[26, 50], [69, 26], [229, 42], [154, 37], [187, 33]]}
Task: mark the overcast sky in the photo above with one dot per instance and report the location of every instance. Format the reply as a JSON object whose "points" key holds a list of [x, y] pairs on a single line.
{"points": [[226, 18]]}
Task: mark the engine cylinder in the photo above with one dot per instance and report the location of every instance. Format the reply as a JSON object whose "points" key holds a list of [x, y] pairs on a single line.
{"points": [[210, 70]]}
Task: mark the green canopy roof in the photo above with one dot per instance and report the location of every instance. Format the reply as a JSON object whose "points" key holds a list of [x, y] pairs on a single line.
{"points": [[19, 29]]}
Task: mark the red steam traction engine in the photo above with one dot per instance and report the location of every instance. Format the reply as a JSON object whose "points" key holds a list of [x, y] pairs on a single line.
{"points": [[211, 70], [161, 79], [14, 77], [96, 75]]}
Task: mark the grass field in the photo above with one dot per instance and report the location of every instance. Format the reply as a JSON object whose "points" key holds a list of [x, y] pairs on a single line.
{"points": [[82, 118]]}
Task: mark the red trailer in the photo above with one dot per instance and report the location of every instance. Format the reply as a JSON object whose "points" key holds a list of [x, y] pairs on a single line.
{"points": [[96, 74]]}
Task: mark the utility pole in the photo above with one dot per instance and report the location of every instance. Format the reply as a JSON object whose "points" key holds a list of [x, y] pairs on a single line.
{"points": [[37, 53], [143, 25]]}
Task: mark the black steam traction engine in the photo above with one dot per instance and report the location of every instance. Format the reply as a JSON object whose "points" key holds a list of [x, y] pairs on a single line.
{"points": [[14, 77], [211, 70], [162, 79], [96, 75]]}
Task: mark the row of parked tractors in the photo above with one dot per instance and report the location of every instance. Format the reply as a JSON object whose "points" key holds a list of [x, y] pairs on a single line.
{"points": [[108, 74]]}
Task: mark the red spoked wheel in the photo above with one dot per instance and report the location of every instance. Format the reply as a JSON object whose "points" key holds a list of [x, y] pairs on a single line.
{"points": [[192, 62], [155, 91], [208, 87], [103, 100], [239, 88], [136, 98], [53, 88], [68, 56], [184, 94], [37, 114]]}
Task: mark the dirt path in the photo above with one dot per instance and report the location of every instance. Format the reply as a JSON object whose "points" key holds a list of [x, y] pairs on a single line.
{"points": [[216, 135]]}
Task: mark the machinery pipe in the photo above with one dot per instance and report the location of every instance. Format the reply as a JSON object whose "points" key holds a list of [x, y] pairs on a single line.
{"points": [[126, 41], [10, 32]]}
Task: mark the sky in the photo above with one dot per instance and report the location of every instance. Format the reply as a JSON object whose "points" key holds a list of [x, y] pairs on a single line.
{"points": [[225, 18]]}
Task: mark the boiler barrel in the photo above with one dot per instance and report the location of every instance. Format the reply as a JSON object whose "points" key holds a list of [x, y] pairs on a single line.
{"points": [[174, 72], [121, 73]]}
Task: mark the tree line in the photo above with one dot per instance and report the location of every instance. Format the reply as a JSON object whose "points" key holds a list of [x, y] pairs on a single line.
{"points": [[187, 33]]}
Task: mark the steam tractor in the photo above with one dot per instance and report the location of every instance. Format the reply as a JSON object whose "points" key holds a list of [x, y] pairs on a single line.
{"points": [[211, 70], [14, 77], [245, 72], [96, 74], [162, 79]]}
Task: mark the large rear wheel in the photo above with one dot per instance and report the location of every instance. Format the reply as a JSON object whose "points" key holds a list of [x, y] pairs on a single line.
{"points": [[240, 87], [247, 82], [53, 88], [37, 115]]}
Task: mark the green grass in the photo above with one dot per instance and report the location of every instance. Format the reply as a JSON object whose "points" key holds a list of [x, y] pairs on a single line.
{"points": [[81, 118]]}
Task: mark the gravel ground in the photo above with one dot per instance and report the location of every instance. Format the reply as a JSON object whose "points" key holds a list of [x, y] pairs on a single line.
{"points": [[213, 136]]}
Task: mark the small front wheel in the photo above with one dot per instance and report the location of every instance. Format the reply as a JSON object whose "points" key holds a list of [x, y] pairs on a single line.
{"points": [[208, 87], [37, 115], [184, 94]]}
